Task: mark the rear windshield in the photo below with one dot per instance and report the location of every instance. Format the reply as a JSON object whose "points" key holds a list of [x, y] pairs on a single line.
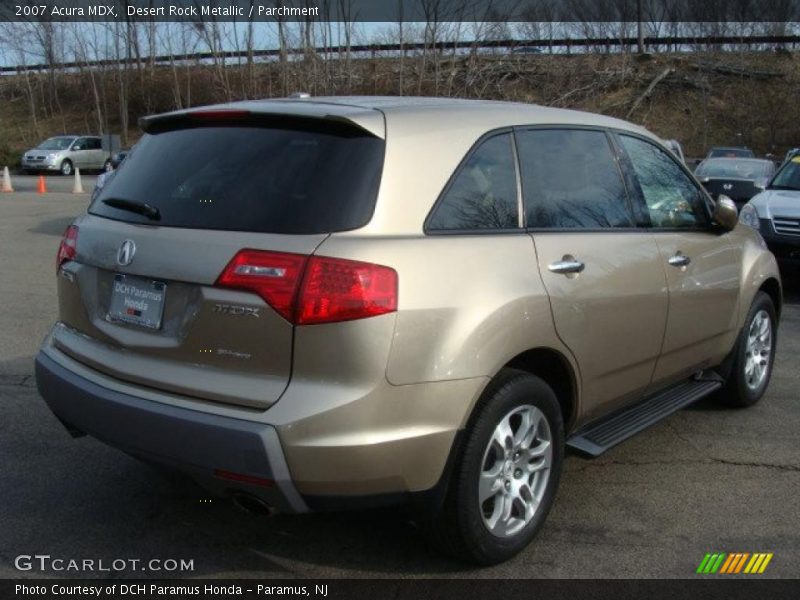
{"points": [[300, 179], [736, 168], [730, 152]]}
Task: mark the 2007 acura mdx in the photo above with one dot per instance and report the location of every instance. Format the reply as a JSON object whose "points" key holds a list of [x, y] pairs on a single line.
{"points": [[342, 302]]}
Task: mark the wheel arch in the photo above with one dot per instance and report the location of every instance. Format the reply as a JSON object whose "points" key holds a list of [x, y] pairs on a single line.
{"points": [[552, 367], [772, 288]]}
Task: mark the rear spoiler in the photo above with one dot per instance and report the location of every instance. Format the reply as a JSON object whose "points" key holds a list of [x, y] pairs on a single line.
{"points": [[226, 117]]}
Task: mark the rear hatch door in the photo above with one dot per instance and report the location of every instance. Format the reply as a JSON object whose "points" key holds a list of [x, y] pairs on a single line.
{"points": [[140, 300]]}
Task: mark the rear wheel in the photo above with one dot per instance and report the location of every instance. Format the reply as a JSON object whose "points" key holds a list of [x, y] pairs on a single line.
{"points": [[505, 481], [66, 168], [754, 355]]}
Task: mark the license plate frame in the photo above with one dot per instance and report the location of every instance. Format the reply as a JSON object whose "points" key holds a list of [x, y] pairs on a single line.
{"points": [[137, 301]]}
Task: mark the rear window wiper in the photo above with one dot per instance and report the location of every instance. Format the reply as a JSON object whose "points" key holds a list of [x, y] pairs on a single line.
{"points": [[141, 208]]}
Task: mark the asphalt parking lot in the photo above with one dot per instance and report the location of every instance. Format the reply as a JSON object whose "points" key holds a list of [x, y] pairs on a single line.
{"points": [[705, 480]]}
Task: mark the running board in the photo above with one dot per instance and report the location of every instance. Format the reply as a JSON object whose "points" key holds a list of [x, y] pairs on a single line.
{"points": [[597, 437]]}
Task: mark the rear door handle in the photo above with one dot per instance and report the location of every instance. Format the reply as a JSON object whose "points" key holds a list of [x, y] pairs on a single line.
{"points": [[566, 266], [679, 260]]}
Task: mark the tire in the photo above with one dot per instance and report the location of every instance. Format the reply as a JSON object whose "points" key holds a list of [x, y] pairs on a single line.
{"points": [[66, 168], [478, 532], [748, 380], [107, 168]]}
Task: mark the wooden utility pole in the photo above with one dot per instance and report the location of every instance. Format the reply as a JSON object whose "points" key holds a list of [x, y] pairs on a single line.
{"points": [[640, 34]]}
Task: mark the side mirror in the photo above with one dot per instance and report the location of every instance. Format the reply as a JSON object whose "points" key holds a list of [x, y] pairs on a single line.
{"points": [[725, 213], [761, 184]]}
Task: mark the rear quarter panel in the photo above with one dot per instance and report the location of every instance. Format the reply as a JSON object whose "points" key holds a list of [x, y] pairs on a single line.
{"points": [[467, 304]]}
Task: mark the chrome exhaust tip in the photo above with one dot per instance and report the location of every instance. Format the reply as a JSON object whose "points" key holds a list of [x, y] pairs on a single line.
{"points": [[252, 504]]}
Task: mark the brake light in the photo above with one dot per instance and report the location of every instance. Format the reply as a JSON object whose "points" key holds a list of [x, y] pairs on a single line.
{"points": [[335, 289], [68, 247], [317, 289], [272, 275]]}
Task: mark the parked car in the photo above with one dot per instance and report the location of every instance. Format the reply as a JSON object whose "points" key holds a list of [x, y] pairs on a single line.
{"points": [[319, 330], [738, 178], [526, 50], [64, 153], [116, 161], [791, 154], [730, 152], [775, 213]]}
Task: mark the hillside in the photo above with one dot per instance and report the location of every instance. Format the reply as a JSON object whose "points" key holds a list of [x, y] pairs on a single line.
{"points": [[700, 99]]}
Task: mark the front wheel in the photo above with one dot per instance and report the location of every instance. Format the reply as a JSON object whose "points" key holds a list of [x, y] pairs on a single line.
{"points": [[66, 168], [506, 479], [754, 355]]}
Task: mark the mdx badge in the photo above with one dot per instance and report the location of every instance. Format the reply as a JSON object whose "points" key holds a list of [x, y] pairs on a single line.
{"points": [[233, 309], [125, 253]]}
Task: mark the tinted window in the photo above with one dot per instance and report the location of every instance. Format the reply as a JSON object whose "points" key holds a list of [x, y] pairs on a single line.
{"points": [[672, 199], [570, 180], [93, 144], [483, 194], [271, 180]]}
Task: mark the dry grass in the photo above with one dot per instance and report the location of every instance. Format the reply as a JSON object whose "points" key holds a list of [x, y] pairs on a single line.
{"points": [[708, 99]]}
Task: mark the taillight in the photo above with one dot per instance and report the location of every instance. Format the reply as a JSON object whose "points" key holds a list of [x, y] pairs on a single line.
{"points": [[272, 275], [68, 247], [335, 289], [316, 289]]}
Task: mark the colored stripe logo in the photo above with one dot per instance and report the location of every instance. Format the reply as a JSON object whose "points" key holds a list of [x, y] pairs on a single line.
{"points": [[734, 563]]}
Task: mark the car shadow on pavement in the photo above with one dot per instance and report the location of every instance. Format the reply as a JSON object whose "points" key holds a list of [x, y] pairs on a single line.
{"points": [[77, 498], [53, 226], [791, 284]]}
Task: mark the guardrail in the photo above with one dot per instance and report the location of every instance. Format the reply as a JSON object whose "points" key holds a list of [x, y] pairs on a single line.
{"points": [[376, 49]]}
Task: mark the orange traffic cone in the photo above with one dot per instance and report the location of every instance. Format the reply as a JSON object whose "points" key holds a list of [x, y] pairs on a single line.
{"points": [[42, 185], [6, 186]]}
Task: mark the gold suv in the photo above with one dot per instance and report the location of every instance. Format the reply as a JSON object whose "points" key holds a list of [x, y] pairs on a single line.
{"points": [[312, 304]]}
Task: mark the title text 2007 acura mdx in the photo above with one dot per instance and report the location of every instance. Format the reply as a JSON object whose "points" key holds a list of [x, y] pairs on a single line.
{"points": [[337, 302]]}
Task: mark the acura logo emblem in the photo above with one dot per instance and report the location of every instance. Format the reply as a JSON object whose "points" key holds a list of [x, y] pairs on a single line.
{"points": [[727, 186], [126, 252]]}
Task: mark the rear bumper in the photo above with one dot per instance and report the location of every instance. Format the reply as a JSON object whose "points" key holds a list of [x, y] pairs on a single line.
{"points": [[199, 444]]}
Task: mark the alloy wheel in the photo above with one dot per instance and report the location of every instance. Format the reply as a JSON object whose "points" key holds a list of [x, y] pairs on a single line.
{"points": [[515, 471]]}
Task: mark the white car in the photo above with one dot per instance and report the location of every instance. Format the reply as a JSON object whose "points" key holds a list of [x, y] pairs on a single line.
{"points": [[65, 153], [775, 213]]}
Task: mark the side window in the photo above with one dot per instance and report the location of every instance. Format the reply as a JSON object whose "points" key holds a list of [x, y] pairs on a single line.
{"points": [[80, 144], [672, 198], [483, 194], [93, 144], [570, 180]]}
